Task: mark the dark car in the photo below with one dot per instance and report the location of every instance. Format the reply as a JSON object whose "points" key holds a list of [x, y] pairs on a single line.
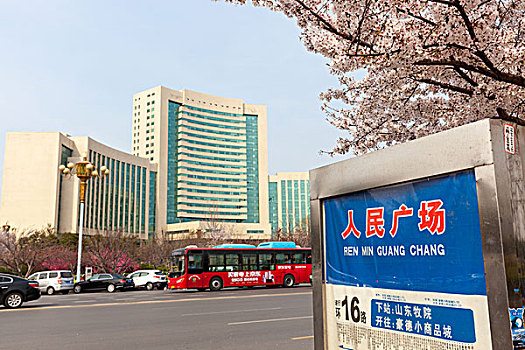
{"points": [[107, 281], [16, 290]]}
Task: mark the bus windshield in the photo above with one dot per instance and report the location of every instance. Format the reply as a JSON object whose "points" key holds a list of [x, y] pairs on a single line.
{"points": [[177, 269]]}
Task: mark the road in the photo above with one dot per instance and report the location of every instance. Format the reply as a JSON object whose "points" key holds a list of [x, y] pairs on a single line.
{"points": [[247, 319]]}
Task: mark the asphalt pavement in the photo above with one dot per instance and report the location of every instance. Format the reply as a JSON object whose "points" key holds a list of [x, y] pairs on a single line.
{"points": [[247, 319]]}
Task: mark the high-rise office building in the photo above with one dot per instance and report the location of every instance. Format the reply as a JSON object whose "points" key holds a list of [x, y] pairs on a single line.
{"points": [[34, 194], [212, 161], [289, 201]]}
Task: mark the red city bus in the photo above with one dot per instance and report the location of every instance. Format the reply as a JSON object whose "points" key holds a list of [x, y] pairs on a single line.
{"points": [[239, 265]]}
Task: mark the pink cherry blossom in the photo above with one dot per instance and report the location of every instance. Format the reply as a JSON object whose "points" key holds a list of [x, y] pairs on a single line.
{"points": [[430, 64]]}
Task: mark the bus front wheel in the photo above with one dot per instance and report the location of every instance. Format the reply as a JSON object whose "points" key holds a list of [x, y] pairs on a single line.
{"points": [[216, 284], [288, 281]]}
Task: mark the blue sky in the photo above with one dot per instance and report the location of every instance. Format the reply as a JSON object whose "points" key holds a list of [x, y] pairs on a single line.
{"points": [[73, 66]]}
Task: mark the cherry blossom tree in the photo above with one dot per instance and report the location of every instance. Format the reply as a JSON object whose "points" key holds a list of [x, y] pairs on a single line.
{"points": [[113, 252], [429, 65]]}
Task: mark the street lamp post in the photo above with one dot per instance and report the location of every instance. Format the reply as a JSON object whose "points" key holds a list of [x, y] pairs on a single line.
{"points": [[83, 170]]}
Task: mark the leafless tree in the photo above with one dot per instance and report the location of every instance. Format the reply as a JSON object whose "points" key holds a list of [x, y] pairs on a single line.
{"points": [[23, 251], [157, 251], [216, 231]]}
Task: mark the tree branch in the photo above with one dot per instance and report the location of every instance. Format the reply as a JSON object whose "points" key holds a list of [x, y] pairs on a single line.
{"points": [[502, 113], [327, 26], [499, 76], [447, 86], [421, 18], [466, 77]]}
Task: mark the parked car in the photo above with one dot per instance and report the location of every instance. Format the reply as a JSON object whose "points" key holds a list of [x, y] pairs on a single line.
{"points": [[149, 279], [16, 290], [107, 281], [54, 281]]}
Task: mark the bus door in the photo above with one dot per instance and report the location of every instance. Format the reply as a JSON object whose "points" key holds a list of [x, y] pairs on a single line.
{"points": [[283, 260], [267, 267], [302, 273], [195, 269], [252, 276]]}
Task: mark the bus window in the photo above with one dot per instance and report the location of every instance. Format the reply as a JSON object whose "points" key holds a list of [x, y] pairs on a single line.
{"points": [[299, 258], [194, 262], [309, 257], [265, 262], [249, 261], [232, 262], [282, 259], [216, 261]]}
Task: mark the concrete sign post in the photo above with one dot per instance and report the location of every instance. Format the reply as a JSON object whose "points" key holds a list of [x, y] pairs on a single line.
{"points": [[421, 246]]}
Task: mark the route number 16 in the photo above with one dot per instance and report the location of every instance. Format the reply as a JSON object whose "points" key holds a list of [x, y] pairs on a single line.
{"points": [[354, 309]]}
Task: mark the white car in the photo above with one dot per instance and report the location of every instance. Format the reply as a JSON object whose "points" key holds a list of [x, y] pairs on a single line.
{"points": [[148, 279], [54, 281]]}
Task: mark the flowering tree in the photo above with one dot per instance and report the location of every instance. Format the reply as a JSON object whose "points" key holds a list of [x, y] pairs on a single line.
{"points": [[113, 252], [60, 258], [429, 64]]}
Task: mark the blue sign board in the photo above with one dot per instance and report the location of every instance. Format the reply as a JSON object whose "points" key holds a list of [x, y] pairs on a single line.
{"points": [[421, 236]]}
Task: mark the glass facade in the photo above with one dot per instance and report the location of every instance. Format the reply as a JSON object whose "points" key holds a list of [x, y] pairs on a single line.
{"points": [[212, 165], [252, 159], [284, 215], [289, 203], [65, 153], [117, 201], [143, 202], [173, 111], [273, 207], [132, 196], [152, 203], [126, 199], [296, 201]]}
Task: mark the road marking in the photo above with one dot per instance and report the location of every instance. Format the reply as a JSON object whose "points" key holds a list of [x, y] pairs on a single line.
{"points": [[301, 338], [226, 312], [270, 320], [36, 308]]}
